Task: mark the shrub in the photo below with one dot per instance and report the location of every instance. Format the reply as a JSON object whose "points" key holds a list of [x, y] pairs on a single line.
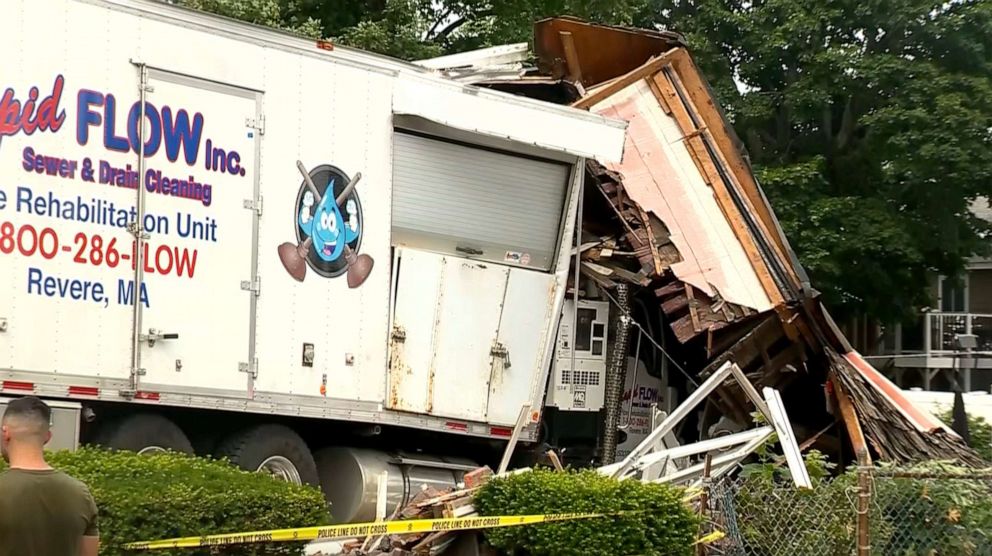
{"points": [[777, 519], [660, 522], [908, 516], [979, 430], [148, 497], [950, 515]]}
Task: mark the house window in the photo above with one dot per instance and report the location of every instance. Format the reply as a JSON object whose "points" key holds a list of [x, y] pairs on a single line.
{"points": [[953, 294]]}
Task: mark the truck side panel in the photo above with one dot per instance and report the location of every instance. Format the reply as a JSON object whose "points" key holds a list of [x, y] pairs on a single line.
{"points": [[329, 116], [261, 292]]}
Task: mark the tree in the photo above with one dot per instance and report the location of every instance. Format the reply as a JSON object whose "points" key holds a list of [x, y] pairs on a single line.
{"points": [[868, 121], [281, 14], [416, 29], [870, 126]]}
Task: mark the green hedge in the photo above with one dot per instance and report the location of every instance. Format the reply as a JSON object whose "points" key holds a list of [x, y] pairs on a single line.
{"points": [[660, 522], [159, 496]]}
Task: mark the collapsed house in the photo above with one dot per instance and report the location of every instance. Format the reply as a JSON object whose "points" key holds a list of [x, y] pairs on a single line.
{"points": [[681, 236]]}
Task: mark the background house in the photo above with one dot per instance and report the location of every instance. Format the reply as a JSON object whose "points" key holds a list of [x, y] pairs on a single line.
{"points": [[922, 354]]}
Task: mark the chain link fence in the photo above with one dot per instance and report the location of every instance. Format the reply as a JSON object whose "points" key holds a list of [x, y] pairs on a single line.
{"points": [[908, 514]]}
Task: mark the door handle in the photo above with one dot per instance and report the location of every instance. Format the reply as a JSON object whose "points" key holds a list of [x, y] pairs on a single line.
{"points": [[157, 335], [468, 250], [499, 350]]}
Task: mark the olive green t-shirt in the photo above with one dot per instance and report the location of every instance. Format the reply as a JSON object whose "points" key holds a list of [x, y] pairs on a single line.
{"points": [[44, 513]]}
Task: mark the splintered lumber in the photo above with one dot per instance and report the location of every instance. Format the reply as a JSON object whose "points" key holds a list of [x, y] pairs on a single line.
{"points": [[850, 418], [624, 81], [442, 498]]}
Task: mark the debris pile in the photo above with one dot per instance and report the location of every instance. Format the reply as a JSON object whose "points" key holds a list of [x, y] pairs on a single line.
{"points": [[428, 503]]}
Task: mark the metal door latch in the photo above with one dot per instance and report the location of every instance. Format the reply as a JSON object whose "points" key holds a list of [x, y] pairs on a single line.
{"points": [[157, 335], [499, 350], [399, 334]]}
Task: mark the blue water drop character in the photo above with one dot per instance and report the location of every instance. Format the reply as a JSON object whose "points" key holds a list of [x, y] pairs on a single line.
{"points": [[328, 227]]}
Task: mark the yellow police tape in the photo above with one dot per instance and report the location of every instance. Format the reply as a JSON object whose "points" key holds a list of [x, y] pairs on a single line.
{"points": [[329, 532], [361, 530]]}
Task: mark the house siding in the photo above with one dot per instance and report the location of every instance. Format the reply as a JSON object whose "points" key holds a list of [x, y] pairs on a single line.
{"points": [[980, 291]]}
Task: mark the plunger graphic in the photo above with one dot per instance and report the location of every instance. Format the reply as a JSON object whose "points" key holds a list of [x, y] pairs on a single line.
{"points": [[294, 257]]}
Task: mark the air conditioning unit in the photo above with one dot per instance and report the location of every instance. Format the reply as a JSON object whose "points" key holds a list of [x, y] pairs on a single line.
{"points": [[580, 388]]}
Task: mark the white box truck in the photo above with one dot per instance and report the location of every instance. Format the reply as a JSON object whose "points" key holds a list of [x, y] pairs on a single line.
{"points": [[302, 257]]}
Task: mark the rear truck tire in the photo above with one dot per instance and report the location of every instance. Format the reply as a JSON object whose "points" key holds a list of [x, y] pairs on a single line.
{"points": [[203, 442], [272, 449], [144, 433]]}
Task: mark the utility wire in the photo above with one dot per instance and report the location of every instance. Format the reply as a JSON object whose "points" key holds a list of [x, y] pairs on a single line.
{"points": [[645, 333]]}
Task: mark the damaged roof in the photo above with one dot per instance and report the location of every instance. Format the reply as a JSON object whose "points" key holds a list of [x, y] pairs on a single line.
{"points": [[687, 218]]}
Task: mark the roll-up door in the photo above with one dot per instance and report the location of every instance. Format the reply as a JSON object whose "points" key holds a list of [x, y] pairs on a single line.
{"points": [[469, 201]]}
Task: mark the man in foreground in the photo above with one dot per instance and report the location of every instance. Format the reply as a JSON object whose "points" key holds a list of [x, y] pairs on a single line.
{"points": [[43, 512]]}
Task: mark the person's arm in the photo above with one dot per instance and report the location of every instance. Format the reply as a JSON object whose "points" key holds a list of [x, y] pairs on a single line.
{"points": [[90, 546]]}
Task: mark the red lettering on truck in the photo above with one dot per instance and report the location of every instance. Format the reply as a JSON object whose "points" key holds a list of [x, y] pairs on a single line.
{"points": [[30, 115]]}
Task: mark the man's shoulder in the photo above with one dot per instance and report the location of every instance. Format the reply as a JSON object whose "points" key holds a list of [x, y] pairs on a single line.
{"points": [[71, 482], [54, 476]]}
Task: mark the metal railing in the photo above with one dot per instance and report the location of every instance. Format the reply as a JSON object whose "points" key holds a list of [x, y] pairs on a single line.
{"points": [[940, 328]]}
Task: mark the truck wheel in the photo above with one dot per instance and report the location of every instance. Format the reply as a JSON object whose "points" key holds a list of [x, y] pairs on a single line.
{"points": [[272, 449], [144, 433]]}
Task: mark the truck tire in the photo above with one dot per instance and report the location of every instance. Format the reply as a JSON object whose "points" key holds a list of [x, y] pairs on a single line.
{"points": [[272, 449], [143, 433]]}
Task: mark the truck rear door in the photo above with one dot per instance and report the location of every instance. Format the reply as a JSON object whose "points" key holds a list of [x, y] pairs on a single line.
{"points": [[201, 194]]}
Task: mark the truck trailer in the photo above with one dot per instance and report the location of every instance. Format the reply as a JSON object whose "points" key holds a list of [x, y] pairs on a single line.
{"points": [[223, 239]]}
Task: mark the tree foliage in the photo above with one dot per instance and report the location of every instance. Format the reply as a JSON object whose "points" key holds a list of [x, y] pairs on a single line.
{"points": [[416, 29], [868, 121]]}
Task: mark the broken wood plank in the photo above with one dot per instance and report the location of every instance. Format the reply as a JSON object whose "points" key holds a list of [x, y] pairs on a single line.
{"points": [[809, 442], [693, 147], [658, 94], [850, 418], [684, 330], [669, 289], [693, 310], [771, 370], [620, 272], [624, 81], [599, 279], [658, 269], [616, 210], [571, 56], [555, 460], [597, 268], [745, 350], [675, 305]]}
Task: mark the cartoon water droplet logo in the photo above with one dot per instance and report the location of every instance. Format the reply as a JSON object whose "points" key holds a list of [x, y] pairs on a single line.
{"points": [[329, 226]]}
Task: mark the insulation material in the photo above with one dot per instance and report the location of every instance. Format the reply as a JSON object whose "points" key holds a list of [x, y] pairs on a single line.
{"points": [[660, 175]]}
